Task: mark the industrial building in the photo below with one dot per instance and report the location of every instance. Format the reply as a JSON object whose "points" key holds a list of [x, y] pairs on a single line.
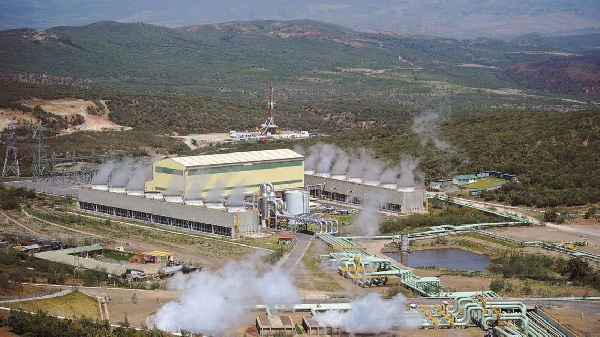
{"points": [[240, 172], [239, 193], [388, 197]]}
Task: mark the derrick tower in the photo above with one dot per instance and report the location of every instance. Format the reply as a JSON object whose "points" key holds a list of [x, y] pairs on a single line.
{"points": [[269, 127]]}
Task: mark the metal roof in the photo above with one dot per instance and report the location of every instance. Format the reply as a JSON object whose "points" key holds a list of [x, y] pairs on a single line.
{"points": [[237, 158]]}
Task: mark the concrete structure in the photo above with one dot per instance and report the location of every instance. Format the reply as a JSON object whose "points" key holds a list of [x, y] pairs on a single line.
{"points": [[439, 184], [194, 218], [397, 199], [240, 172], [464, 179], [269, 325], [78, 257]]}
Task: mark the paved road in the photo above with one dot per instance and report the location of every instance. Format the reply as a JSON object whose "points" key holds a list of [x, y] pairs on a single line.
{"points": [[289, 261], [42, 297]]}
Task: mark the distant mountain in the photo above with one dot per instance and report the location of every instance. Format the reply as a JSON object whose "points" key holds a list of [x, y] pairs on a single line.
{"points": [[456, 19], [570, 75], [238, 57], [574, 43]]}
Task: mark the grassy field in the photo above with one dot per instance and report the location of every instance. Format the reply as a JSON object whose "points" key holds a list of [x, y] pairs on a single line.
{"points": [[75, 304], [486, 183]]}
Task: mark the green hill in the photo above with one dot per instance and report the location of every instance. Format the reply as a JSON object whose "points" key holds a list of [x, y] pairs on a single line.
{"points": [[311, 59]]}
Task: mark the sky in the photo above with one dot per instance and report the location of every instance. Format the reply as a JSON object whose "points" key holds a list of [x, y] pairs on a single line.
{"points": [[453, 18]]}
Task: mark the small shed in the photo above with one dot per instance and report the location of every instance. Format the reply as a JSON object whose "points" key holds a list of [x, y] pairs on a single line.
{"points": [[34, 248], [269, 325], [286, 238], [464, 179], [312, 327], [154, 256]]}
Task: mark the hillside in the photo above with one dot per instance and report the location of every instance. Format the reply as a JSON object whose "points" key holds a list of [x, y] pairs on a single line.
{"points": [[312, 60], [569, 75]]}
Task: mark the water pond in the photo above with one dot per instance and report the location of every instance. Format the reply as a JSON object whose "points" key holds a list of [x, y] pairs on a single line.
{"points": [[448, 258]]}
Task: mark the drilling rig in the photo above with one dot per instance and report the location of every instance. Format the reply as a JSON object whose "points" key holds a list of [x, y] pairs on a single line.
{"points": [[269, 130]]}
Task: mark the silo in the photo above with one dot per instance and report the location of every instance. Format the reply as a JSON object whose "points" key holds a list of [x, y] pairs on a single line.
{"points": [[297, 202], [404, 242]]}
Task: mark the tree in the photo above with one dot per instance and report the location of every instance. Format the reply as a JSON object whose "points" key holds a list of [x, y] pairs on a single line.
{"points": [[591, 212], [550, 215]]}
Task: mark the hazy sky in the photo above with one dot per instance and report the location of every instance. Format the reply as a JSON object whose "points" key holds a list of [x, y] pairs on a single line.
{"points": [[434, 17]]}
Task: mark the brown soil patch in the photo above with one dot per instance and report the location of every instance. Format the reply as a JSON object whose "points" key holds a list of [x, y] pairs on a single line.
{"points": [[137, 308], [584, 325], [64, 107]]}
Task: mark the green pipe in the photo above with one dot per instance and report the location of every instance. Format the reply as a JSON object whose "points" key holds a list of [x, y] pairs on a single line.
{"points": [[504, 333]]}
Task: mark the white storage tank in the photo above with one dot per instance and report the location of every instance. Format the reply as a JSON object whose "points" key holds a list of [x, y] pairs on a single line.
{"points": [[297, 202]]}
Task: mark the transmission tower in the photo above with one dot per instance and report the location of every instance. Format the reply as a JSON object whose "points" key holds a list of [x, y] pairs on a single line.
{"points": [[39, 164], [11, 151]]}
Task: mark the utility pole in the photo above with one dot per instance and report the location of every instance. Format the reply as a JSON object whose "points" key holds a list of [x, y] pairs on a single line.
{"points": [[39, 162], [11, 151]]}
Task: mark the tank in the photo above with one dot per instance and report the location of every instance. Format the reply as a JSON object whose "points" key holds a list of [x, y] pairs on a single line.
{"points": [[404, 242], [297, 202]]}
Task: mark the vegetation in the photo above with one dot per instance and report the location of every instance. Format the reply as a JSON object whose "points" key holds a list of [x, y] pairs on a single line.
{"points": [[492, 240], [42, 324], [547, 268], [11, 198], [16, 267], [74, 304], [572, 75], [452, 215]]}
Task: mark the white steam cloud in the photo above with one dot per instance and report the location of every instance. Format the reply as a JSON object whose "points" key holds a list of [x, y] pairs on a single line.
{"points": [[328, 158], [367, 219], [215, 302], [126, 173], [426, 126], [372, 314]]}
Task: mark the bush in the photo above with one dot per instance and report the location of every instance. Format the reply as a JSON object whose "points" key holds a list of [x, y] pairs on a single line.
{"points": [[497, 284]]}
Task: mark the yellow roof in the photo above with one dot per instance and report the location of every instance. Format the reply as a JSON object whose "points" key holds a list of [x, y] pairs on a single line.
{"points": [[237, 158]]}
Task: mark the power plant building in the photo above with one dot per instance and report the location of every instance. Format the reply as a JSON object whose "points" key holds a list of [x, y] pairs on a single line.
{"points": [[240, 172], [388, 197]]}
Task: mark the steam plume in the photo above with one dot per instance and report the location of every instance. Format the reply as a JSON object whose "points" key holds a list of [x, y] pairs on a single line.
{"points": [[104, 171], [372, 314], [368, 217], [426, 126], [138, 177], [408, 168], [214, 302]]}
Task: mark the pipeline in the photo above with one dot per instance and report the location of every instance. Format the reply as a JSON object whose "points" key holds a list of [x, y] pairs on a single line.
{"points": [[504, 333]]}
